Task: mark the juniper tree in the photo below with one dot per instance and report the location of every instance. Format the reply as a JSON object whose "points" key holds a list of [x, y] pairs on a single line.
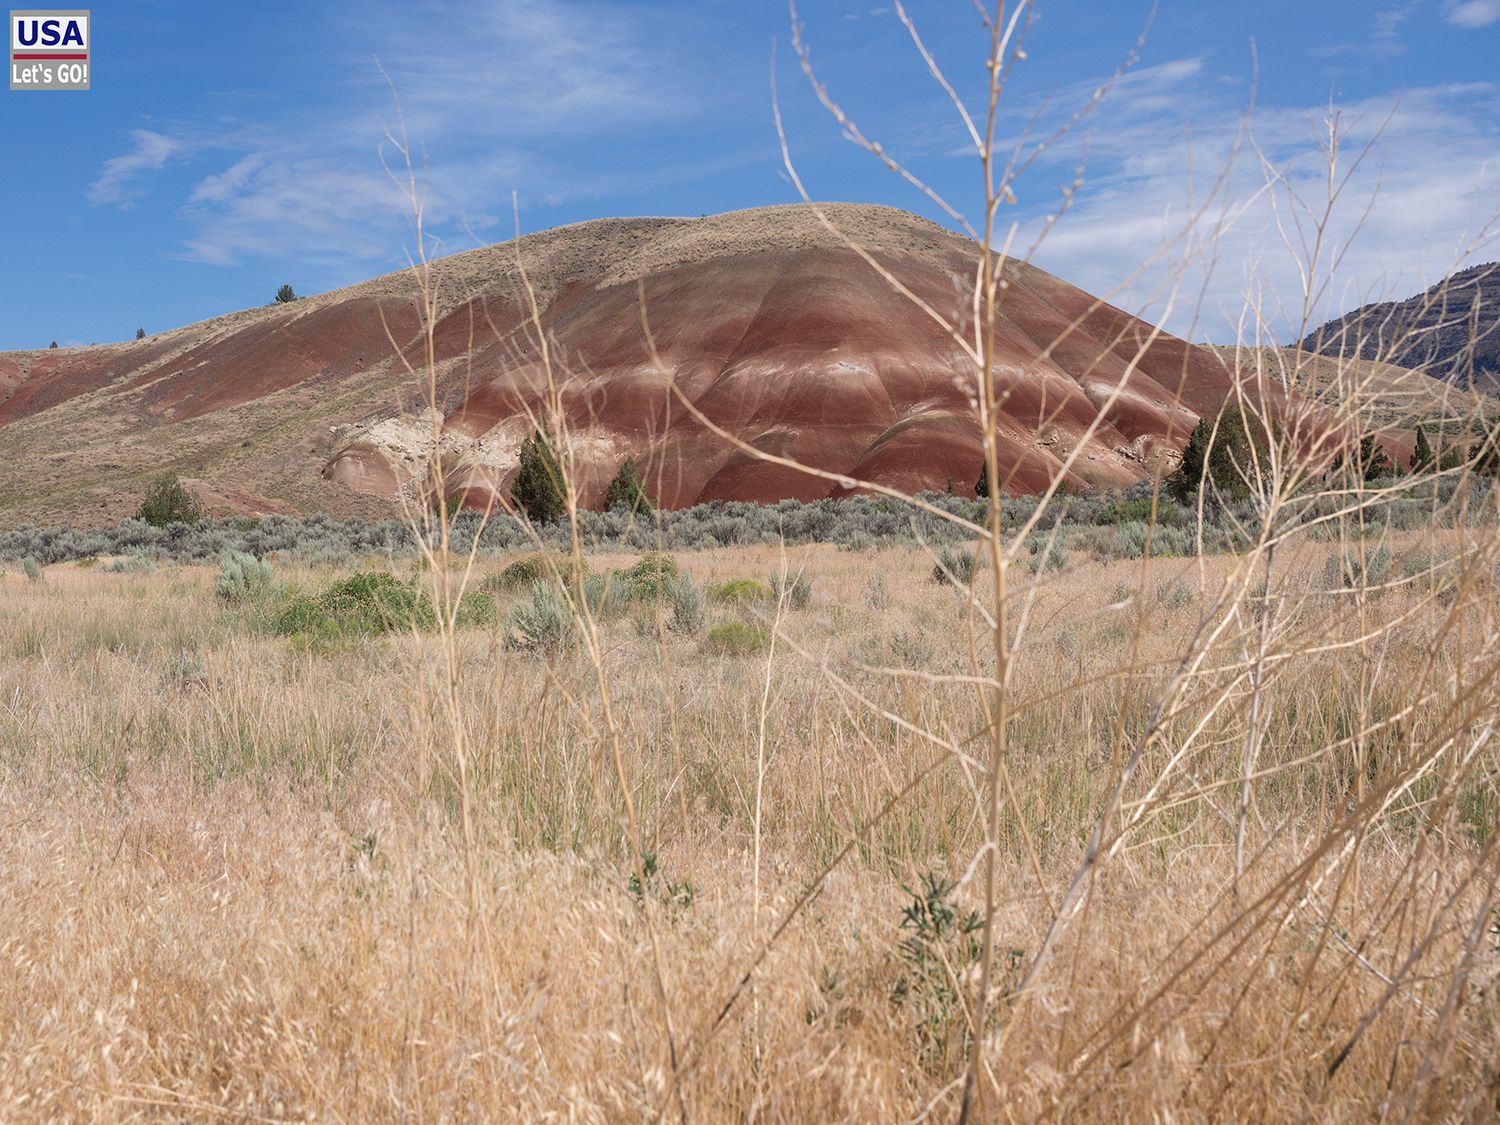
{"points": [[167, 501], [538, 487], [1372, 458], [285, 295], [1422, 459], [1223, 453], [627, 491], [1485, 453]]}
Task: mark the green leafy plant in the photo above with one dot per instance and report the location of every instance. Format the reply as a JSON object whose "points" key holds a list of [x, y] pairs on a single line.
{"points": [[648, 579], [285, 295], [735, 638], [1221, 452], [605, 594], [1422, 457], [526, 570], [370, 603], [939, 945], [677, 896], [741, 591], [185, 668]]}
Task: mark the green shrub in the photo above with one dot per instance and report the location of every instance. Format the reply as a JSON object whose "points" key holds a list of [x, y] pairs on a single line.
{"points": [[648, 579], [369, 603], [167, 501], [184, 668], [476, 608], [133, 564], [1174, 593], [375, 602], [285, 295], [1046, 556], [605, 594], [795, 590], [741, 591], [31, 568], [1347, 571], [735, 638], [543, 625], [242, 576], [525, 571], [958, 563], [688, 616]]}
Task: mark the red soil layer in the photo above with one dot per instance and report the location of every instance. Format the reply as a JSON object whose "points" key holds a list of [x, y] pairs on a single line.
{"points": [[794, 345]]}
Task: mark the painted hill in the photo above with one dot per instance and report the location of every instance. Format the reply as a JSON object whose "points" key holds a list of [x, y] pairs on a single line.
{"points": [[771, 326], [1450, 332]]}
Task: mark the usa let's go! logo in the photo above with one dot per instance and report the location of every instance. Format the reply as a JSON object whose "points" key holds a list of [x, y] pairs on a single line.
{"points": [[49, 50]]}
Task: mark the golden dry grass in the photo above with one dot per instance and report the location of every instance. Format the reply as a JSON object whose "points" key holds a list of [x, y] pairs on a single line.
{"points": [[238, 882]]}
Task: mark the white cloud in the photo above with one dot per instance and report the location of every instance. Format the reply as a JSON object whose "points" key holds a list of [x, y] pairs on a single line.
{"points": [[119, 179], [485, 110], [1216, 218], [1473, 13]]}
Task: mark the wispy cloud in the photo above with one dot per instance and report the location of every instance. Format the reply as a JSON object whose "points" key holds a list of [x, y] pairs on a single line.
{"points": [[1188, 212], [1382, 38], [484, 111], [121, 179], [1473, 13]]}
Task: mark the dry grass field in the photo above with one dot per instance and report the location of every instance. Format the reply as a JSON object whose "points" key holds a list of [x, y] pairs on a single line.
{"points": [[1245, 858]]}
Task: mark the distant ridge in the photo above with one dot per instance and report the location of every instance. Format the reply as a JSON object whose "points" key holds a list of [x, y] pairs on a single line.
{"points": [[1451, 331]]}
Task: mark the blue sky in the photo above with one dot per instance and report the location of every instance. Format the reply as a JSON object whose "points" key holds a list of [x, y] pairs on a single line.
{"points": [[227, 148]]}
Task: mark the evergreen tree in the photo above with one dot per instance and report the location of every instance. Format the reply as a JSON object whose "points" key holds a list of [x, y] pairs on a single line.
{"points": [[627, 491], [140, 333], [982, 485], [1372, 458], [1227, 451], [1188, 475], [1422, 459], [1485, 453], [167, 501], [285, 295], [52, 345], [538, 487]]}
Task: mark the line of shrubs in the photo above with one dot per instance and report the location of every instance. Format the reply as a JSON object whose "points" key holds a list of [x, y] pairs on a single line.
{"points": [[1105, 524]]}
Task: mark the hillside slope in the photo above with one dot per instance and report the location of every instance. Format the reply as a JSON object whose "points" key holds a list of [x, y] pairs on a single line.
{"points": [[770, 325], [1450, 332]]}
